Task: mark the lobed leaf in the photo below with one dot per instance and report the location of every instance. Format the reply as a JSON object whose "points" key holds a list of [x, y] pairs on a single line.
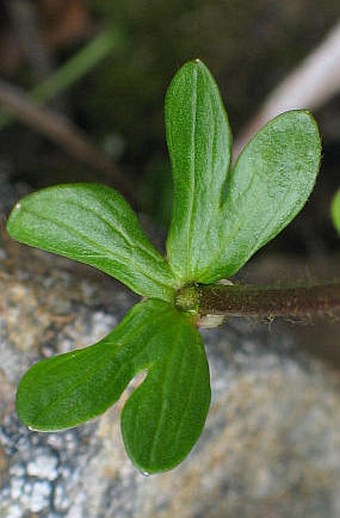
{"points": [[199, 142], [220, 220], [66, 390], [269, 185], [163, 418], [93, 224]]}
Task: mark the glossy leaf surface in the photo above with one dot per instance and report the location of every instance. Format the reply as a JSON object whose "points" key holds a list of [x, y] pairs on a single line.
{"points": [[163, 418], [269, 185], [221, 217], [199, 143], [220, 220], [93, 224]]}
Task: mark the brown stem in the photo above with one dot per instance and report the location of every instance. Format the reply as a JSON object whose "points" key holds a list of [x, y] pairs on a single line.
{"points": [[62, 131], [238, 300]]}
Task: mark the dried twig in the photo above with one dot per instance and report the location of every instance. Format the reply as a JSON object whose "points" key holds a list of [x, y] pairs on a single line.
{"points": [[310, 85], [62, 131]]}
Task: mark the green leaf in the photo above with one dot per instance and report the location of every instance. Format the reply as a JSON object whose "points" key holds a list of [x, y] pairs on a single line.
{"points": [[162, 419], [93, 224], [66, 390], [199, 142], [335, 211], [220, 220], [269, 185]]}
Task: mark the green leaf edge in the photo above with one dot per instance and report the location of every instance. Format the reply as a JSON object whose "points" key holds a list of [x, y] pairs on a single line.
{"points": [[198, 70], [156, 282], [335, 211], [120, 338], [150, 465], [129, 330], [205, 276]]}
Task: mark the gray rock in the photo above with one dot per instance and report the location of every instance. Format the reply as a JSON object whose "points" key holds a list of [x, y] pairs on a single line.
{"points": [[270, 448]]}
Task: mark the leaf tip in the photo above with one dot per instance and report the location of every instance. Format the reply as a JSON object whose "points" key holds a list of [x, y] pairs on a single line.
{"points": [[12, 216]]}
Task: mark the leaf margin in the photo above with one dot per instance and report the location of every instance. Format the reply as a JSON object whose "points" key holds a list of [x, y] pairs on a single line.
{"points": [[142, 268]]}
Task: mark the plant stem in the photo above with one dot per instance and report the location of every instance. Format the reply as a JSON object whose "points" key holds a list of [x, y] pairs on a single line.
{"points": [[238, 300], [76, 67], [62, 131]]}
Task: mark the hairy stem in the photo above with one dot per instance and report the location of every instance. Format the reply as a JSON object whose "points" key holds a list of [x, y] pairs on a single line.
{"points": [[245, 300], [259, 301]]}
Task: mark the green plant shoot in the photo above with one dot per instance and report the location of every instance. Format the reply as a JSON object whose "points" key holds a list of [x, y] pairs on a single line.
{"points": [[221, 216]]}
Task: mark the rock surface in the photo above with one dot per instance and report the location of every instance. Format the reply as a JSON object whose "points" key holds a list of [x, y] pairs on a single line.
{"points": [[270, 448], [271, 445]]}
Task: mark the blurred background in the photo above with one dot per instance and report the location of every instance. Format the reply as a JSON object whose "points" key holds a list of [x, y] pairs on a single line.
{"points": [[106, 65]]}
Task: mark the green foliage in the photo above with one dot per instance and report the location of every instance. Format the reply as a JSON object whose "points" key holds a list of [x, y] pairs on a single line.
{"points": [[94, 225], [335, 211], [199, 141], [221, 216], [162, 419]]}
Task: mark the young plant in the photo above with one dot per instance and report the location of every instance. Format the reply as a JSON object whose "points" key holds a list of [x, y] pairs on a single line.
{"points": [[222, 215]]}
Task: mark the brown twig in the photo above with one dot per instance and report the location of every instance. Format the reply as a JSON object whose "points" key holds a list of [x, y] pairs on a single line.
{"points": [[62, 131], [310, 85]]}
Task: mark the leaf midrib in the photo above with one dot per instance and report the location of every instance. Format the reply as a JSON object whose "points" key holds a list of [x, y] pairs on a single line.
{"points": [[106, 252]]}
